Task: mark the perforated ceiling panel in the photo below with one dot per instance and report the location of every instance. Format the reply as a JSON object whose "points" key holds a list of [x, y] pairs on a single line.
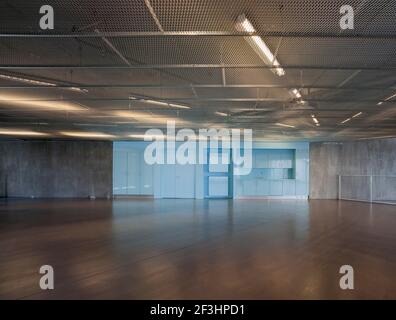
{"points": [[82, 75]]}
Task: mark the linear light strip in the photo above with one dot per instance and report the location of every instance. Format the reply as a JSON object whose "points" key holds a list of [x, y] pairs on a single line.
{"points": [[76, 134], [284, 125], [15, 132], [387, 99], [38, 82], [161, 103], [259, 46], [354, 116]]}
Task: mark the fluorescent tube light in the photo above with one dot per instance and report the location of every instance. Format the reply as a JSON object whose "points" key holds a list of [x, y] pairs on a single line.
{"points": [[142, 136], [38, 82], [258, 45], [296, 93], [155, 102], [15, 132], [391, 97], [284, 125], [354, 116], [316, 121], [86, 134], [78, 89], [221, 114], [30, 81], [24, 102], [387, 99], [147, 117], [161, 103], [179, 106], [346, 120]]}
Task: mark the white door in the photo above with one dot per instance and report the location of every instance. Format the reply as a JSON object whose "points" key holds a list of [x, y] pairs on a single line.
{"points": [[133, 173]]}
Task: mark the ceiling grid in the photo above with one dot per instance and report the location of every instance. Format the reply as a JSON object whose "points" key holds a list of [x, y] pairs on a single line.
{"points": [[190, 53]]}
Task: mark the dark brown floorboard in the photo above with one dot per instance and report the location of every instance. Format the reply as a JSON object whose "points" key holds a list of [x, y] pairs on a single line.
{"points": [[193, 249]]}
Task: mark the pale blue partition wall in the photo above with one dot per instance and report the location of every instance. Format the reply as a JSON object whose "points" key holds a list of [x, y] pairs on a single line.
{"points": [[178, 181], [278, 170], [133, 176]]}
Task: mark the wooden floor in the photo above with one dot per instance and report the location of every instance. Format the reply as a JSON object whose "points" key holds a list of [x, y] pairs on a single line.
{"points": [[197, 249]]}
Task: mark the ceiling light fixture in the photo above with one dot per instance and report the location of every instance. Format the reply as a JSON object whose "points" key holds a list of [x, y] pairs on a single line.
{"points": [[387, 99], [24, 102], [161, 103], [315, 120], [30, 81], [354, 116], [346, 120], [284, 125], [222, 114], [78, 89], [147, 117], [244, 25], [179, 106], [39, 82], [86, 134], [16, 132], [151, 136], [296, 93]]}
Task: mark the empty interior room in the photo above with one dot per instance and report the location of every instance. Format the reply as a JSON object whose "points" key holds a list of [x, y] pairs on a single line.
{"points": [[200, 149]]}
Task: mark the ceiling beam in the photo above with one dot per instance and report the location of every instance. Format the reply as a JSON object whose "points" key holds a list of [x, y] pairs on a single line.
{"points": [[234, 112], [196, 86], [154, 15], [136, 34], [194, 66], [374, 101], [113, 48]]}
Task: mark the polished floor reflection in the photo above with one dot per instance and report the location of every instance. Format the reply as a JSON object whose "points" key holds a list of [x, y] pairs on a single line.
{"points": [[197, 249]]}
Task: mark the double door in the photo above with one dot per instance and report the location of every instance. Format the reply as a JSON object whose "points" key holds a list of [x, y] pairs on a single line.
{"points": [[132, 176], [178, 181]]}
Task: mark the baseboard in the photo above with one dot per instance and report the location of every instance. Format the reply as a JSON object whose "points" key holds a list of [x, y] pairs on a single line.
{"points": [[130, 196], [273, 197]]}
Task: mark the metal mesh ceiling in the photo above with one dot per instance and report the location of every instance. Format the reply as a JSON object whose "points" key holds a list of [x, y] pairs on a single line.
{"points": [[339, 73]]}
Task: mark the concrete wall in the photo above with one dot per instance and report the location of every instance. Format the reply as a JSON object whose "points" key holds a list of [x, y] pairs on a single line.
{"points": [[55, 169], [366, 157]]}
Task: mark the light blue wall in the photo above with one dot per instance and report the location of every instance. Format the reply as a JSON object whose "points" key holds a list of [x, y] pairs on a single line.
{"points": [[133, 176], [279, 169]]}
